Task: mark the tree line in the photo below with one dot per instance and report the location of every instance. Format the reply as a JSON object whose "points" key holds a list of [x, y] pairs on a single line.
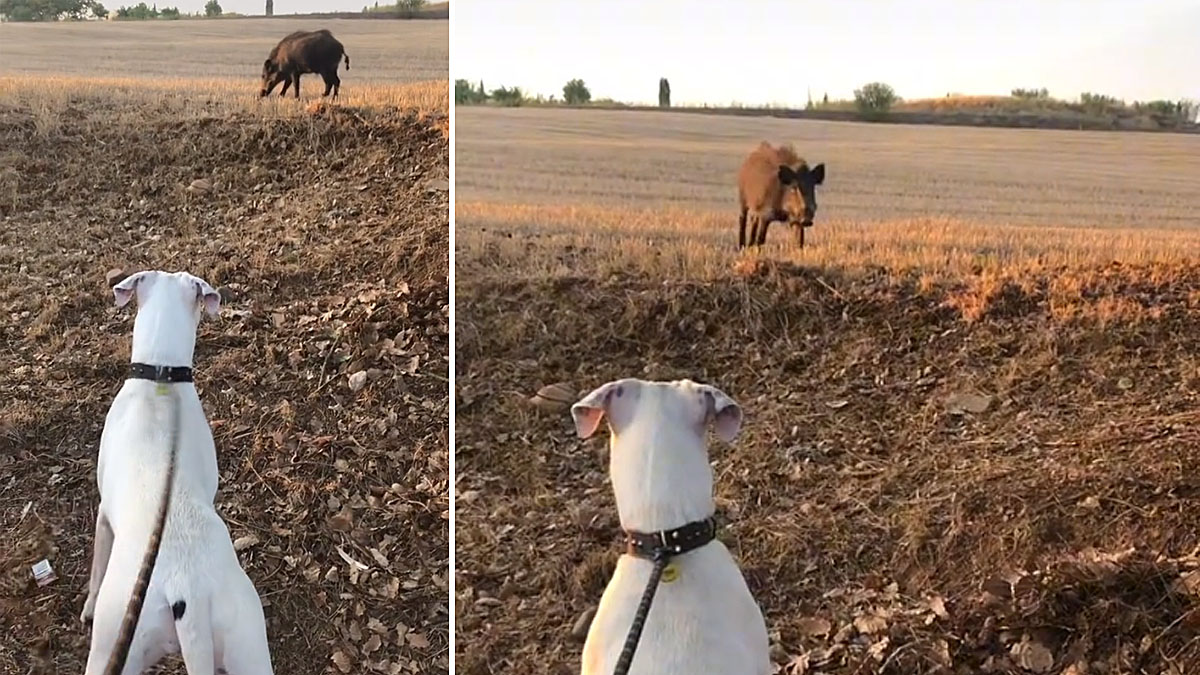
{"points": [[872, 101], [77, 10]]}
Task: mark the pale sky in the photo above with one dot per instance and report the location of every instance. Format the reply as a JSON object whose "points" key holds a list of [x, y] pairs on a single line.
{"points": [[775, 51]]}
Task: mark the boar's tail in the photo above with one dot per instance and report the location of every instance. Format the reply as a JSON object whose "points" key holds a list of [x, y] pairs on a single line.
{"points": [[347, 60]]}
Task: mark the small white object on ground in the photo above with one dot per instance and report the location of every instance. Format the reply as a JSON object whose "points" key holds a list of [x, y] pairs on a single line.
{"points": [[43, 573]]}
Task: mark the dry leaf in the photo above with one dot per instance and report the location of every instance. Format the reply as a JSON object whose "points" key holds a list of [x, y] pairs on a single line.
{"points": [[1032, 656], [837, 405], [797, 666], [342, 661], [870, 624], [938, 606], [418, 640], [243, 543], [813, 626]]}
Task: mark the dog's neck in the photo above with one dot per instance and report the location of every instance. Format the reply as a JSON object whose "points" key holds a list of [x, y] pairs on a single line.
{"points": [[661, 479], [164, 333]]}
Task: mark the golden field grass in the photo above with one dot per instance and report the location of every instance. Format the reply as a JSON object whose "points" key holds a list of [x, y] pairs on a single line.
{"points": [[569, 191], [196, 64]]}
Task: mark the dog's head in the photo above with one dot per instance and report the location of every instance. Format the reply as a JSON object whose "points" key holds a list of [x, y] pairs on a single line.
{"points": [[169, 310], [659, 459]]}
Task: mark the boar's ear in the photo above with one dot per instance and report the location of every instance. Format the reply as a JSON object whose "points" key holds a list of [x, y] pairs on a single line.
{"points": [[786, 175], [818, 174], [267, 65]]}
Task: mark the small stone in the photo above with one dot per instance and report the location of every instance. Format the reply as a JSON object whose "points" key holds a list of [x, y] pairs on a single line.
{"points": [[243, 543], [114, 276], [200, 186], [580, 630], [358, 380]]}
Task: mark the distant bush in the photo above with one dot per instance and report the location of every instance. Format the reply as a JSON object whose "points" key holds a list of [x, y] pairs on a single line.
{"points": [[1042, 94], [507, 97], [875, 99], [212, 8], [576, 92], [1098, 104], [664, 93], [465, 94]]}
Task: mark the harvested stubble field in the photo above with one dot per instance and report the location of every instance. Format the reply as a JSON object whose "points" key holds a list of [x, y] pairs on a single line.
{"points": [[327, 229], [971, 439], [210, 62]]}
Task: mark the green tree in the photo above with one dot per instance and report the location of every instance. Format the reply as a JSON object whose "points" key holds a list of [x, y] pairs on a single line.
{"points": [[664, 93], [212, 8], [508, 97], [270, 7], [465, 94], [576, 92], [1098, 104], [45, 10], [875, 99], [169, 13], [98, 10]]}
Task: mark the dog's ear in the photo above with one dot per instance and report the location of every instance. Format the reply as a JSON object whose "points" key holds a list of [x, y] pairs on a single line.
{"points": [[724, 412], [614, 399], [208, 296], [124, 291]]}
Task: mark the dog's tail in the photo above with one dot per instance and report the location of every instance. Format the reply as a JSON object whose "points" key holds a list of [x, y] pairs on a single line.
{"points": [[120, 652], [347, 60]]}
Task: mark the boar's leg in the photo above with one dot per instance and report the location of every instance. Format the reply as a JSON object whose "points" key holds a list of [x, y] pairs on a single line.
{"points": [[762, 229], [296, 84], [798, 234], [331, 83], [287, 82], [742, 229]]}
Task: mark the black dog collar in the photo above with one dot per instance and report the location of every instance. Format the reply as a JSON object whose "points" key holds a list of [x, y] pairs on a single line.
{"points": [[651, 545], [142, 371]]}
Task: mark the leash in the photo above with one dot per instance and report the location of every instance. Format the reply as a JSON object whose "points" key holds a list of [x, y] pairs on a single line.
{"points": [[659, 548], [162, 376]]}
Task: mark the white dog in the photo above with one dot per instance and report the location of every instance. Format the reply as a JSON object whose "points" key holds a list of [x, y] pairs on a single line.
{"points": [[199, 601], [703, 618]]}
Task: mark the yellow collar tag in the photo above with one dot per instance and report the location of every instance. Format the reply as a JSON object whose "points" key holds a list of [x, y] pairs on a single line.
{"points": [[670, 573]]}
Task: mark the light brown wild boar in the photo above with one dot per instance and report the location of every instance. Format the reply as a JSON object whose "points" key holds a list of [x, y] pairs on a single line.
{"points": [[776, 184]]}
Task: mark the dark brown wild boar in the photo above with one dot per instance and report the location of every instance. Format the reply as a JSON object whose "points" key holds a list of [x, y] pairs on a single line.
{"points": [[776, 184], [304, 52]]}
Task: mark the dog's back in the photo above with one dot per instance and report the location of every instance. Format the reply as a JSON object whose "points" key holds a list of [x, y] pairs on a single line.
{"points": [[160, 411], [702, 621]]}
